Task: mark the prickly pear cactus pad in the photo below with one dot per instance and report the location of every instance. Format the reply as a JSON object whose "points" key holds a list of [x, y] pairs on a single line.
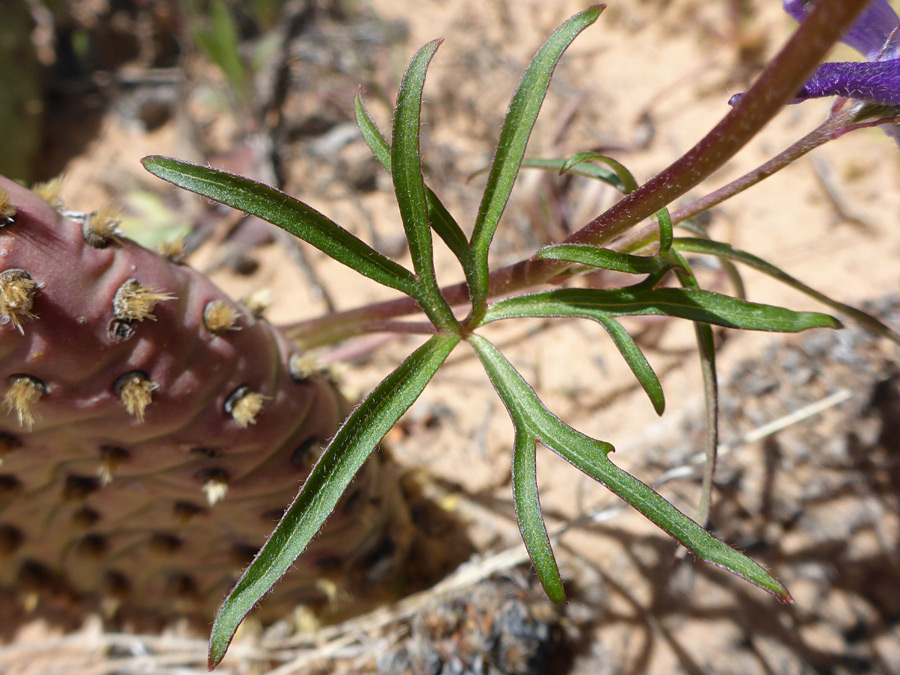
{"points": [[152, 429]]}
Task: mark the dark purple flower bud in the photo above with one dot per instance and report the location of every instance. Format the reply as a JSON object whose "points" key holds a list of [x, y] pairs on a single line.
{"points": [[876, 35], [877, 82]]}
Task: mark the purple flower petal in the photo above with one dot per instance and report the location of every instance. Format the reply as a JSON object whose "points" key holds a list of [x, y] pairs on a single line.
{"points": [[797, 9], [874, 34], [892, 130], [877, 82]]}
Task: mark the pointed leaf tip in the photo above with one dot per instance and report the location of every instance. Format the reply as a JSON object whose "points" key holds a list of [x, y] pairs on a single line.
{"points": [[531, 519], [323, 488], [517, 127], [590, 456], [409, 185], [286, 212]]}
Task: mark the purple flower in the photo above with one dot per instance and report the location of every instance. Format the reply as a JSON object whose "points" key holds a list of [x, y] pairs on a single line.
{"points": [[876, 35], [877, 82]]}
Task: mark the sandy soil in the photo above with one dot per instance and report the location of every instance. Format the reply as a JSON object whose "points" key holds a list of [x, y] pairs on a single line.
{"points": [[644, 83]]}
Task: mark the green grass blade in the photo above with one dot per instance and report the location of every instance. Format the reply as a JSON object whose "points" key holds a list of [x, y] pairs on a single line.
{"points": [[287, 213], [222, 45], [531, 520], [591, 457], [726, 251], [636, 360], [604, 258], [442, 222], [344, 456], [520, 119], [409, 185], [695, 305]]}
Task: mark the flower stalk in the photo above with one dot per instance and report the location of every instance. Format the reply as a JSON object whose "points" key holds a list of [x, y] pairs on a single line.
{"points": [[775, 87]]}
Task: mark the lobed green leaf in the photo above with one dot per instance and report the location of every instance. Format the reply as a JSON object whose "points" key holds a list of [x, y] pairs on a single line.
{"points": [[409, 185], [727, 252], [524, 406], [584, 170], [287, 213], [328, 480], [530, 518], [636, 360], [532, 422], [442, 222], [665, 231], [706, 349], [606, 258], [591, 457], [729, 268], [371, 133], [628, 185], [654, 507], [626, 178], [695, 305], [517, 127]]}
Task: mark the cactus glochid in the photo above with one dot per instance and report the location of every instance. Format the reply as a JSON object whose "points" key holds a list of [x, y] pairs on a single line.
{"points": [[153, 429]]}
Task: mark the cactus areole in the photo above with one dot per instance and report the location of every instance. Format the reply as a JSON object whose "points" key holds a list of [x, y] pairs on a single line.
{"points": [[152, 429]]}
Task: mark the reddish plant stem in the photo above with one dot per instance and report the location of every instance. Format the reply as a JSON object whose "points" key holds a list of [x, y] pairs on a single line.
{"points": [[834, 127], [818, 136], [777, 84]]}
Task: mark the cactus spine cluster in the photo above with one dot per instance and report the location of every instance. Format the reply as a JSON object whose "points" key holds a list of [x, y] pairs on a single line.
{"points": [[152, 429]]}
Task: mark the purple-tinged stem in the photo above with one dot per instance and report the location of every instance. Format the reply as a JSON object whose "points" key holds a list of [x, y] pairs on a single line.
{"points": [[832, 128], [778, 83]]}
